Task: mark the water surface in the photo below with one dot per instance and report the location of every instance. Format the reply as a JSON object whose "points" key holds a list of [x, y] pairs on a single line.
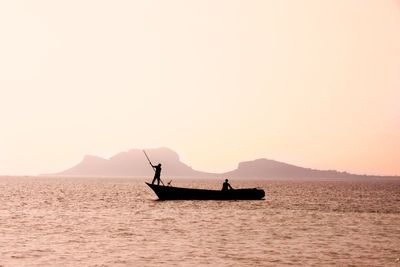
{"points": [[47, 221]]}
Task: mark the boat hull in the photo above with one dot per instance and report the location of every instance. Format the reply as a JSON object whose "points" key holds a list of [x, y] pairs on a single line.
{"points": [[179, 193]]}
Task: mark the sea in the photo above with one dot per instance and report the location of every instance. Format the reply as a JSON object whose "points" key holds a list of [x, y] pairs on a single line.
{"points": [[78, 221]]}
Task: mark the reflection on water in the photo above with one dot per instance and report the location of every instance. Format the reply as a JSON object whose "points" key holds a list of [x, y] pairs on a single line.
{"points": [[118, 222]]}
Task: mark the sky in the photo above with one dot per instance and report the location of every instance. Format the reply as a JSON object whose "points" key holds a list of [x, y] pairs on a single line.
{"points": [[312, 83]]}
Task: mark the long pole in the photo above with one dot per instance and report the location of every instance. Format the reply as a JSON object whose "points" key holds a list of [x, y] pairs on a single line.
{"points": [[147, 158]]}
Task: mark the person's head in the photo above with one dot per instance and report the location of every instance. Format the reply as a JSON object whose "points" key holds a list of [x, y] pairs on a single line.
{"points": [[226, 180], [159, 164]]}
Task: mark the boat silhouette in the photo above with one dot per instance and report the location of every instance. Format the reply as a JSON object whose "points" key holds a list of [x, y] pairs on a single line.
{"points": [[179, 193]]}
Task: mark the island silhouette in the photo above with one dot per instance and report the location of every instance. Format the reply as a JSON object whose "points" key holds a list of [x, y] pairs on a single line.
{"points": [[134, 164]]}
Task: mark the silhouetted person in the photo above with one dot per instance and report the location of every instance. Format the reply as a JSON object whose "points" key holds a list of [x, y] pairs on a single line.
{"points": [[157, 174], [226, 186]]}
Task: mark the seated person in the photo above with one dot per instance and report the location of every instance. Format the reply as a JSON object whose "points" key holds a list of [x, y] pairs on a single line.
{"points": [[226, 186]]}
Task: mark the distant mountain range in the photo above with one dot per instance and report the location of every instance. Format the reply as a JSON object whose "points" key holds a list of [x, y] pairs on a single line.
{"points": [[134, 163]]}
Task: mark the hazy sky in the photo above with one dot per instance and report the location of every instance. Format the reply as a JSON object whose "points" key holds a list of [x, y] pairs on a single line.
{"points": [[314, 83]]}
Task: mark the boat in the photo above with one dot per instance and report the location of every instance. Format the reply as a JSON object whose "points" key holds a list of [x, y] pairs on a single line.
{"points": [[178, 193]]}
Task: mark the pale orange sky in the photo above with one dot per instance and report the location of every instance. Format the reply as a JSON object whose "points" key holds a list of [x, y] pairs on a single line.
{"points": [[313, 83]]}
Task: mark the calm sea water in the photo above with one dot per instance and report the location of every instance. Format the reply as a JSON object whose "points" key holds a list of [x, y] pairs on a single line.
{"points": [[118, 222]]}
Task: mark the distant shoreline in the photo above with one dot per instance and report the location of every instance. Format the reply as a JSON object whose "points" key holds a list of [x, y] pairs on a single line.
{"points": [[216, 179]]}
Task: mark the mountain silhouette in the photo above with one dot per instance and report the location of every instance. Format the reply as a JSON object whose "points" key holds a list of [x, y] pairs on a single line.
{"points": [[134, 163], [266, 168]]}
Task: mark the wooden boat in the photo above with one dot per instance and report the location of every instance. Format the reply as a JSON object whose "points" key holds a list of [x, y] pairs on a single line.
{"points": [[179, 193]]}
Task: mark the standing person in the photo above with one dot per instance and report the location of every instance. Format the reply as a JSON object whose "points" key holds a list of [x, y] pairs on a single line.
{"points": [[157, 173], [226, 186]]}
